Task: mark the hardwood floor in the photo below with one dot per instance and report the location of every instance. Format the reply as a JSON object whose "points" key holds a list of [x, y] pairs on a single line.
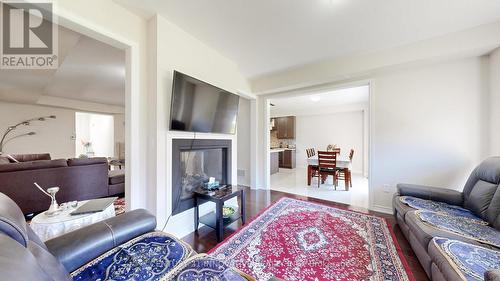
{"points": [[257, 200]]}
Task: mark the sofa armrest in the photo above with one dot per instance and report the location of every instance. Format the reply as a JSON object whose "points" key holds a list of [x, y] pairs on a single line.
{"points": [[431, 193], [78, 247], [492, 275]]}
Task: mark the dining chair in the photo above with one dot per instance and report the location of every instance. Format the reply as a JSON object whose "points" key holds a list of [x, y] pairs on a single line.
{"points": [[331, 147], [327, 166], [312, 170], [310, 152], [346, 173]]}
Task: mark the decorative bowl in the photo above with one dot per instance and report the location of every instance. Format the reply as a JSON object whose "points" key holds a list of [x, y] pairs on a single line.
{"points": [[228, 211]]}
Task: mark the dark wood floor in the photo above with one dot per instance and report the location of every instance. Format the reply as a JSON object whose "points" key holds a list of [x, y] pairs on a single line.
{"points": [[257, 200]]}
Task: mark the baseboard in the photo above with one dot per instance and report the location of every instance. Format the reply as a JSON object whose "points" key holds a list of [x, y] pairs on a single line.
{"points": [[382, 209]]}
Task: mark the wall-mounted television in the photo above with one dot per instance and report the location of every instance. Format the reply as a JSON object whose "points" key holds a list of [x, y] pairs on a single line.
{"points": [[200, 107]]}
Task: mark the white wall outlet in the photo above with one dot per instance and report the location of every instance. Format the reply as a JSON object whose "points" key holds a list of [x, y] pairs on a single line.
{"points": [[387, 188], [241, 173]]}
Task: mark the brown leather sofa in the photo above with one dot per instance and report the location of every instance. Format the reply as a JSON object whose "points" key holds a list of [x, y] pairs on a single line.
{"points": [[78, 179]]}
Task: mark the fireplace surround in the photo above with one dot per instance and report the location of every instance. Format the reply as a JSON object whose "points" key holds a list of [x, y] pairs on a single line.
{"points": [[193, 162]]}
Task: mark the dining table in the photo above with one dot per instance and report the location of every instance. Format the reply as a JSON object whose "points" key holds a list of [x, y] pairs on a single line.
{"points": [[342, 162]]}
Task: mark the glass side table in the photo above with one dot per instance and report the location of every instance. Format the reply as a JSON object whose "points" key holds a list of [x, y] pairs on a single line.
{"points": [[216, 219]]}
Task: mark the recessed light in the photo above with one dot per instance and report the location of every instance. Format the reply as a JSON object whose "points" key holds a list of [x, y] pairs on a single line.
{"points": [[315, 98]]}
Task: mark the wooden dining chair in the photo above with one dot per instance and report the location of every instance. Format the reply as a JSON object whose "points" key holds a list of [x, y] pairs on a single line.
{"points": [[327, 166], [331, 147], [312, 170], [310, 152], [347, 173]]}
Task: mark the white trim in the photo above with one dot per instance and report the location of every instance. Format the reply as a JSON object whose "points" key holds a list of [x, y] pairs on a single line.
{"points": [[371, 130], [132, 92], [381, 209]]}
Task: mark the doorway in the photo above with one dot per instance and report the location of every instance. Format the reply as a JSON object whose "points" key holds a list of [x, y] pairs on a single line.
{"points": [[320, 121]]}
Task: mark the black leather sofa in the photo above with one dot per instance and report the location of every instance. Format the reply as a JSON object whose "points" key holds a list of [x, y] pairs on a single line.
{"points": [[23, 256], [480, 195]]}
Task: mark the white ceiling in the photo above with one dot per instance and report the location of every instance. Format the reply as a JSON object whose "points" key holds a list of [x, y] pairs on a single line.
{"points": [[330, 101], [264, 36], [89, 71]]}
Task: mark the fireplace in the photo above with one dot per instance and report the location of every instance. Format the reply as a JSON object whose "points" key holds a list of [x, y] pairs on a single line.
{"points": [[193, 163]]}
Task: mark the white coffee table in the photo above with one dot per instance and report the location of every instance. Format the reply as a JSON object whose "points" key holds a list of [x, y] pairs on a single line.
{"points": [[49, 227]]}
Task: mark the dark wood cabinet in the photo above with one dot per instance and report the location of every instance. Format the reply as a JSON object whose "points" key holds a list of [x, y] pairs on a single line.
{"points": [[287, 159], [285, 127]]}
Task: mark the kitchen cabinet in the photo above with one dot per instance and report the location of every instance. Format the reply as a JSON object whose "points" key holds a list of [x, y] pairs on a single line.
{"points": [[285, 127], [287, 159]]}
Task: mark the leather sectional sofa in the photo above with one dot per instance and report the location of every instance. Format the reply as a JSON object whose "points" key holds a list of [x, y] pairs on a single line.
{"points": [[480, 195], [78, 179]]}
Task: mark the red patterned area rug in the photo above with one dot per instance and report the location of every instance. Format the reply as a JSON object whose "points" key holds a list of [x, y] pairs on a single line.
{"points": [[300, 240]]}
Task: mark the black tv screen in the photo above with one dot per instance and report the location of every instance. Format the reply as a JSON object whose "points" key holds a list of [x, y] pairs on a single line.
{"points": [[200, 107]]}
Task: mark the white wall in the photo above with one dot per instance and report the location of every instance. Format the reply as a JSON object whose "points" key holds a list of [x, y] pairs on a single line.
{"points": [[426, 126], [318, 131], [52, 136], [494, 109], [244, 142], [174, 49]]}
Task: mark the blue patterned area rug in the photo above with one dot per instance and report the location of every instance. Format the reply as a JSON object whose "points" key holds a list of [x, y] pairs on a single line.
{"points": [[440, 207], [469, 261], [466, 228], [146, 258], [203, 267]]}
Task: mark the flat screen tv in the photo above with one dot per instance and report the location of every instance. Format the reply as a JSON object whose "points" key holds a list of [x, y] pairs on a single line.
{"points": [[200, 107]]}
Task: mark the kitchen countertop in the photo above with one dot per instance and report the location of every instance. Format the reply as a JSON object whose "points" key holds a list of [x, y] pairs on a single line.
{"points": [[279, 149]]}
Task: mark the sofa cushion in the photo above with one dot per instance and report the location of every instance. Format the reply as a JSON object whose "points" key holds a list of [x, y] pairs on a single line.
{"points": [[34, 165], [203, 267], [86, 161], [439, 207], [459, 261], [480, 197], [488, 171], [401, 207], [48, 262], [116, 176], [465, 228], [493, 212], [424, 232], [31, 157], [23, 267], [12, 222], [148, 257]]}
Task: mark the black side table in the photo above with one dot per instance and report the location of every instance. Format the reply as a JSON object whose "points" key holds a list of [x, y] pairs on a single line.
{"points": [[215, 219]]}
